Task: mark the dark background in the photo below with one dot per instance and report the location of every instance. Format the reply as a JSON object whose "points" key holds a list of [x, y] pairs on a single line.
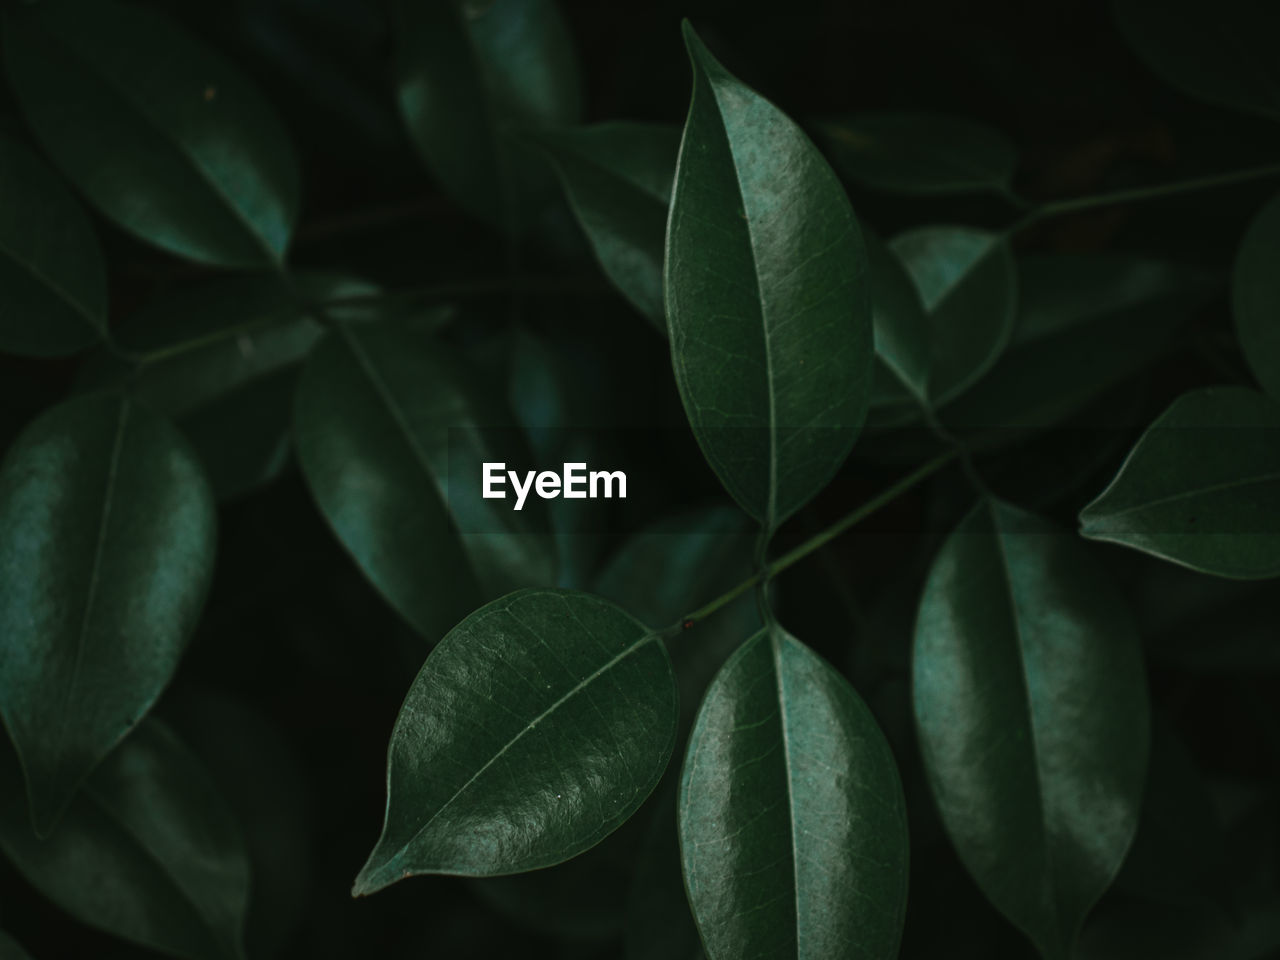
{"points": [[295, 675]]}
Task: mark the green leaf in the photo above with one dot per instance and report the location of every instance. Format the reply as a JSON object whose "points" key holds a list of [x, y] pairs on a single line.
{"points": [[54, 284], [792, 823], [767, 298], [161, 134], [1255, 294], [219, 359], [617, 177], [902, 336], [1108, 316], [922, 154], [535, 729], [1201, 487], [1031, 707], [470, 78], [1224, 54], [967, 282], [384, 419], [148, 852], [107, 530]]}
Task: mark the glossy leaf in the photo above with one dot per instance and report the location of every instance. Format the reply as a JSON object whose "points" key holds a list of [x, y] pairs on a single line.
{"points": [[219, 359], [384, 418], [163, 135], [1201, 487], [968, 284], [1224, 54], [767, 298], [1031, 707], [618, 180], [536, 727], [1255, 290], [792, 823], [53, 283], [1085, 323], [920, 153], [107, 530], [148, 851], [470, 79]]}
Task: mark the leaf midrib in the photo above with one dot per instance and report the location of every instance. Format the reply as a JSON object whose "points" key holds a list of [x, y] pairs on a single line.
{"points": [[48, 283], [1261, 479], [527, 728]]}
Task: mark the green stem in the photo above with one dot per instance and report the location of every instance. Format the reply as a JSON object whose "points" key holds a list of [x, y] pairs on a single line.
{"points": [[1058, 208], [821, 539]]}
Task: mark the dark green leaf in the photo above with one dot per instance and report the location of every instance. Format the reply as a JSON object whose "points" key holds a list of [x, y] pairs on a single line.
{"points": [[107, 530], [535, 729], [767, 298], [54, 285], [968, 285], [1201, 487], [792, 824], [921, 153], [618, 180], [902, 331], [148, 851], [385, 417], [1085, 324], [1031, 706], [218, 359], [1255, 289], [470, 78], [162, 134], [1222, 54]]}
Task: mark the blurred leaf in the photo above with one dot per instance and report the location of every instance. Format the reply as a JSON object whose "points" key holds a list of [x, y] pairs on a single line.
{"points": [[674, 566], [218, 359], [617, 177], [793, 829], [10, 949], [107, 530], [54, 283], [1201, 487], [1223, 54], [472, 76], [535, 729], [967, 282], [148, 851], [1031, 706], [1255, 289], [767, 298], [902, 332], [921, 153], [162, 134], [1085, 324], [384, 418]]}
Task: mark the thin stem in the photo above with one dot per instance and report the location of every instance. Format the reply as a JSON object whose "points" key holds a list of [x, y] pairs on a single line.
{"points": [[1058, 208], [818, 540], [482, 287]]}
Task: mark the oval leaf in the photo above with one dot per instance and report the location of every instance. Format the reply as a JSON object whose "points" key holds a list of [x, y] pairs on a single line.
{"points": [[54, 284], [967, 282], [148, 851], [1201, 487], [922, 154], [107, 530], [902, 336], [162, 134], [471, 75], [535, 729], [767, 298], [1224, 54], [384, 419], [792, 822], [617, 177], [1255, 291], [1031, 707]]}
